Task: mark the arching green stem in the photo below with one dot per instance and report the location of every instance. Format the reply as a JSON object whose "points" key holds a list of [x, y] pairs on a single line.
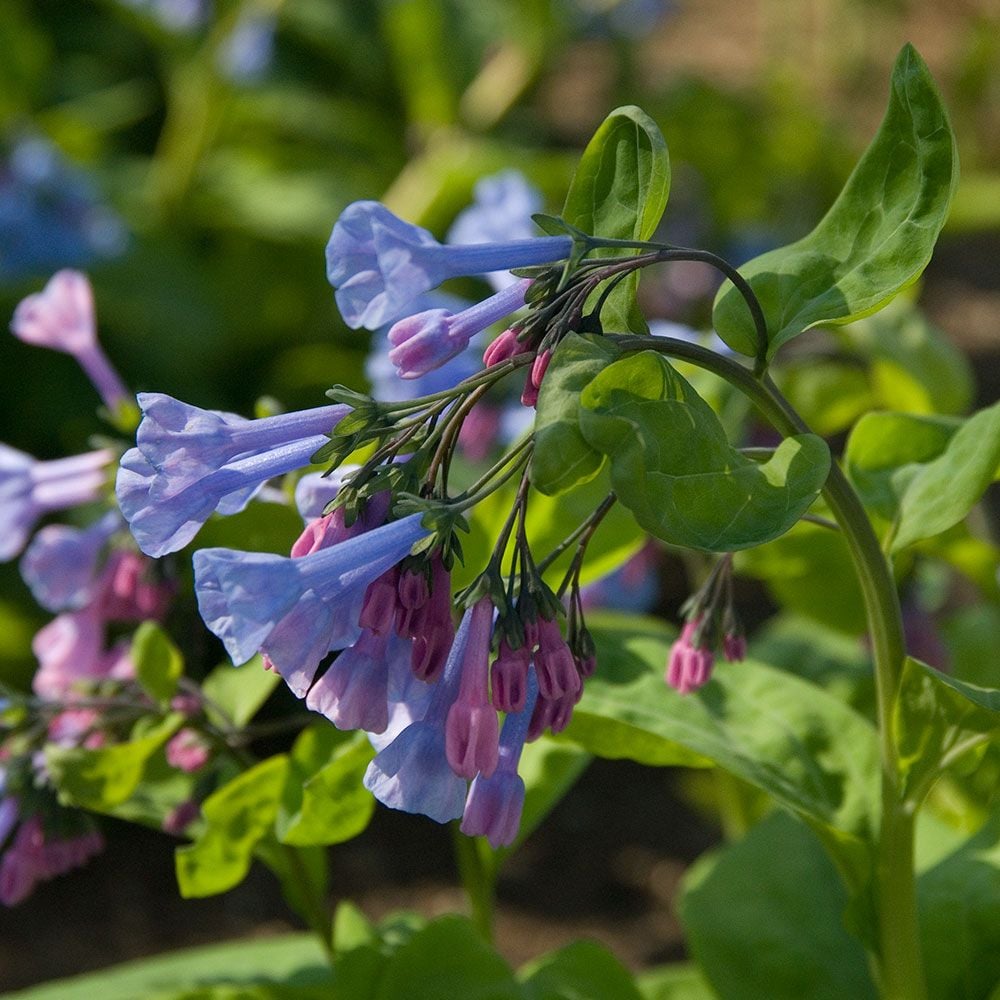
{"points": [[900, 964]]}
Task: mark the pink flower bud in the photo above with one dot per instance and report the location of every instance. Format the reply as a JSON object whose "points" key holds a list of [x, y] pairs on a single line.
{"points": [[187, 751], [689, 667], [505, 347]]}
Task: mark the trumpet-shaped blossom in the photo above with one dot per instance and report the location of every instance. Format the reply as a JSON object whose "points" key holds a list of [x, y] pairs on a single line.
{"points": [[412, 772], [380, 264], [471, 729], [296, 609], [353, 693], [186, 443], [315, 490], [502, 210], [428, 339], [30, 489], [60, 564], [496, 801], [61, 317], [164, 520], [689, 666]]}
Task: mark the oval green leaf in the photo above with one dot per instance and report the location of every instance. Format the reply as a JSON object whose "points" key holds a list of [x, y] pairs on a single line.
{"points": [[673, 467], [876, 238], [619, 191]]}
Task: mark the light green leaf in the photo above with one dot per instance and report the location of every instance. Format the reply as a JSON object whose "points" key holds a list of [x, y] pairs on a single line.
{"points": [[158, 662], [942, 492], [876, 238], [809, 571], [448, 958], [959, 901], [234, 695], [562, 457], [619, 191], [297, 957], [886, 450], [764, 918], [672, 466], [325, 801], [939, 720], [915, 368], [237, 816], [104, 778], [810, 752], [583, 970], [680, 981]]}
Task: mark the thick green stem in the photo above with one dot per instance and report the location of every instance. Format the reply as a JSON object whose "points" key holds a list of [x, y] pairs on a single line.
{"points": [[900, 963]]}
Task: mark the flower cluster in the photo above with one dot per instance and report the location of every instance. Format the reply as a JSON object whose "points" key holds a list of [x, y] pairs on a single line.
{"points": [[711, 624]]}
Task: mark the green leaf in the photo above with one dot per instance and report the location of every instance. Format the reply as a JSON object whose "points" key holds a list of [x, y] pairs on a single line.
{"points": [[809, 571], [158, 662], [448, 958], [104, 778], [876, 238], [292, 957], [939, 720], [914, 367], [562, 457], [885, 452], [619, 191], [324, 800], [583, 970], [764, 918], [811, 753], [672, 466], [680, 981], [959, 901], [942, 492], [237, 816], [234, 695]]}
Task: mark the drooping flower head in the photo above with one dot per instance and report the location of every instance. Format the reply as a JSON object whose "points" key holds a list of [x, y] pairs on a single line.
{"points": [[296, 610]]}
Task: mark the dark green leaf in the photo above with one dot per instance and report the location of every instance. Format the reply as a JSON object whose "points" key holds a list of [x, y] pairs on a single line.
{"points": [[619, 191], [781, 734], [237, 816], [672, 466], [959, 901], [104, 778], [876, 238], [764, 918], [583, 970], [447, 959], [158, 662], [562, 458]]}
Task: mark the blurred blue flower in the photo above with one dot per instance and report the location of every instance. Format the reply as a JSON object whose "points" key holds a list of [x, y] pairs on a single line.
{"points": [[246, 53], [50, 216], [502, 210]]}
